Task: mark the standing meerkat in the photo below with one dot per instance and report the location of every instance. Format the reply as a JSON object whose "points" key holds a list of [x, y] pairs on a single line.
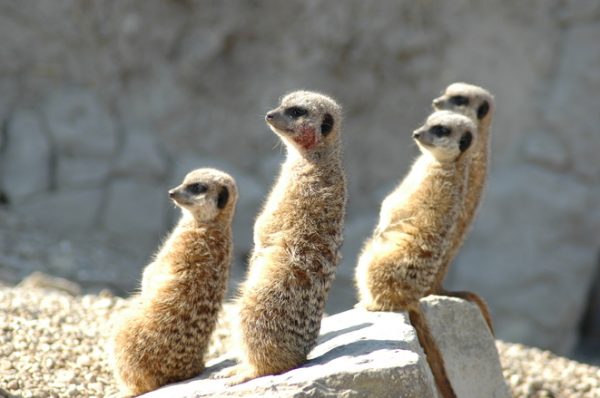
{"points": [[164, 336], [400, 263], [477, 104], [297, 240]]}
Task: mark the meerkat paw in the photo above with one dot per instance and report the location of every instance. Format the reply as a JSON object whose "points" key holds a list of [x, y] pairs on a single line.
{"points": [[236, 375], [225, 373], [240, 378]]}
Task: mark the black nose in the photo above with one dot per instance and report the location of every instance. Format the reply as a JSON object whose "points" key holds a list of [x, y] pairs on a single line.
{"points": [[270, 116], [172, 193], [416, 134], [437, 101]]}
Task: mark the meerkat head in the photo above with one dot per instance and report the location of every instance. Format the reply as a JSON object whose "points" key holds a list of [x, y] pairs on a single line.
{"points": [[206, 194], [467, 99], [446, 135], [306, 120]]}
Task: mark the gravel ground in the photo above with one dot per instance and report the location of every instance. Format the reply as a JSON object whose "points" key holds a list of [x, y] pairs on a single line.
{"points": [[53, 344]]}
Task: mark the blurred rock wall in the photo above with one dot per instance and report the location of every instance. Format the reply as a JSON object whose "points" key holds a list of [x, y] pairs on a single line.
{"points": [[106, 105]]}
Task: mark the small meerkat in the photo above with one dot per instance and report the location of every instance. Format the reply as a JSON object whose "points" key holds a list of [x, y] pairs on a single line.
{"points": [[477, 104], [399, 264], [297, 240], [164, 336]]}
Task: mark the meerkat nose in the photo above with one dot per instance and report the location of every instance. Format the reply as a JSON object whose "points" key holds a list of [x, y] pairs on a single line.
{"points": [[172, 193], [438, 101], [270, 116], [416, 133]]}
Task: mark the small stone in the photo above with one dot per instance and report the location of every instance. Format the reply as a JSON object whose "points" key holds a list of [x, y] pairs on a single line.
{"points": [[49, 363], [6, 364], [72, 391], [65, 376], [83, 360]]}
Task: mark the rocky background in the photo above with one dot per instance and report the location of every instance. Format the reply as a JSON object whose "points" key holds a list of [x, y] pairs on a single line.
{"points": [[106, 105]]}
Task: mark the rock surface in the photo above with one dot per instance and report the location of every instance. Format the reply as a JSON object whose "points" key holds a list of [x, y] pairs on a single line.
{"points": [[100, 101], [366, 354]]}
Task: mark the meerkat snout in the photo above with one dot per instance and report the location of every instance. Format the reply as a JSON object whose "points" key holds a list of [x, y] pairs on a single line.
{"points": [[438, 102]]}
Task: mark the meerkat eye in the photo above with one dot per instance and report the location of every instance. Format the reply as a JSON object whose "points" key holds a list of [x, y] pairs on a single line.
{"points": [[440, 131], [223, 197], [196, 188], [459, 100], [465, 141], [327, 124], [295, 111], [483, 110]]}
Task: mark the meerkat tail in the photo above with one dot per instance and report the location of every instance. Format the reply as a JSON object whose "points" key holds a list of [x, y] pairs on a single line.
{"points": [[433, 354], [473, 298]]}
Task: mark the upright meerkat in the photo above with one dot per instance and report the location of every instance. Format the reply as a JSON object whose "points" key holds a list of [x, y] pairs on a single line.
{"points": [[400, 263], [297, 238], [164, 336], [478, 104]]}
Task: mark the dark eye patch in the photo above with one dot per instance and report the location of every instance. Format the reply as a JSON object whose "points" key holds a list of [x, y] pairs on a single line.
{"points": [[440, 131], [465, 141], [295, 111], [483, 110], [223, 197], [196, 188], [459, 100], [327, 124]]}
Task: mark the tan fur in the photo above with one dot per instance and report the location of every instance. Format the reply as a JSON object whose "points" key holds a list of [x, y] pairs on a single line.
{"points": [[297, 239], [401, 262], [164, 336], [476, 176]]}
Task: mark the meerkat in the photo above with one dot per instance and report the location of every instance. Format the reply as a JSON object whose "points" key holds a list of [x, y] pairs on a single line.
{"points": [[399, 264], [297, 240], [477, 104], [164, 336]]}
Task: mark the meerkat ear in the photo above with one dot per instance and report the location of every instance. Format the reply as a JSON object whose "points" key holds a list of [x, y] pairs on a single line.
{"points": [[223, 197], [327, 124], [465, 141], [483, 110]]}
